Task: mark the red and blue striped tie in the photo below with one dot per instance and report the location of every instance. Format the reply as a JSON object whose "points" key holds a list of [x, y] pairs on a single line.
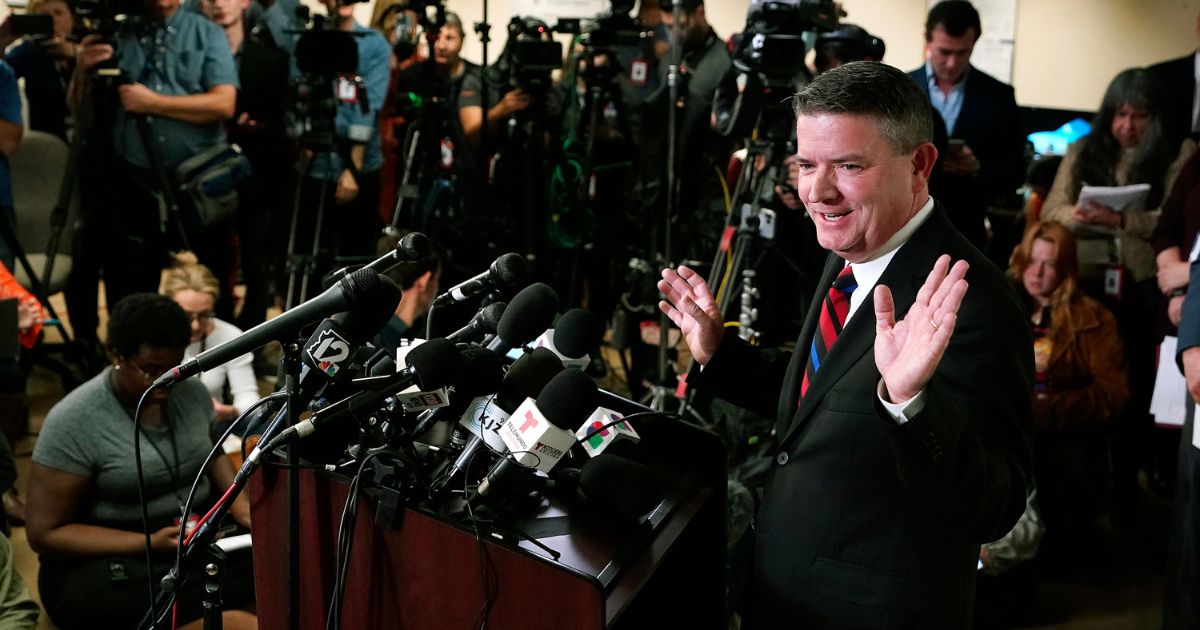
{"points": [[833, 316]]}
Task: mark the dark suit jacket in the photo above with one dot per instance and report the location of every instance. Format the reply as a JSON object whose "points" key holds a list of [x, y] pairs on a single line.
{"points": [[870, 524], [991, 125], [1177, 80]]}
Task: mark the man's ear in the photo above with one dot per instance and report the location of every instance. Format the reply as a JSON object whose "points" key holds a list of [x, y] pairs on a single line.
{"points": [[422, 281], [923, 160]]}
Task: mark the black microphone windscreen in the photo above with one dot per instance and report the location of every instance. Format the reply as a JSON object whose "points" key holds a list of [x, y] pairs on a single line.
{"points": [[375, 303], [359, 283], [480, 371], [414, 246], [624, 486], [568, 399], [435, 362], [527, 377], [528, 314], [489, 316], [577, 332], [506, 270]]}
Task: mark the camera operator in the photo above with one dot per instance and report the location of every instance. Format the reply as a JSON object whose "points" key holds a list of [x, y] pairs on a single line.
{"points": [[704, 61], [354, 168], [46, 64], [179, 74], [507, 99], [434, 82], [257, 127]]}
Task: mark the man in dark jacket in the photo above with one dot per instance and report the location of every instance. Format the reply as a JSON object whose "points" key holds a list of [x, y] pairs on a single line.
{"points": [[903, 429], [986, 159]]}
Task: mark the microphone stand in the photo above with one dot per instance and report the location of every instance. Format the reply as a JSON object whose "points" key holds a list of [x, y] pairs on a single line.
{"points": [[660, 390], [484, 29], [203, 557]]}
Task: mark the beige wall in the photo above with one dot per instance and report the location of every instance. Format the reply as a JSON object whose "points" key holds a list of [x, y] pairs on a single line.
{"points": [[1066, 50]]}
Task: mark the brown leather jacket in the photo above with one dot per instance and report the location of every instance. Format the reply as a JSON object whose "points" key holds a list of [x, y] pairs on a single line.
{"points": [[1087, 386]]}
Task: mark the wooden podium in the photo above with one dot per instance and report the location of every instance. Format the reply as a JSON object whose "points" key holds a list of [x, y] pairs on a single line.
{"points": [[426, 572]]}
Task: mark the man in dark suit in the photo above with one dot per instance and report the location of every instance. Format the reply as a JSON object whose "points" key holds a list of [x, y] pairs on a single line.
{"points": [[1177, 79], [1181, 603], [986, 156], [892, 466]]}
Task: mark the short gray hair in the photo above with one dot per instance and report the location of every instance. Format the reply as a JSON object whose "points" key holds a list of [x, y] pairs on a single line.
{"points": [[868, 88]]}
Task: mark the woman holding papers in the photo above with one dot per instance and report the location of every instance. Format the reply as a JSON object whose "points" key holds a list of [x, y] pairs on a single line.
{"points": [[1116, 260]]}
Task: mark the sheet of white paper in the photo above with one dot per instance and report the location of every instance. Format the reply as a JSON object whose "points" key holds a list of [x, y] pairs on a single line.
{"points": [[1169, 402], [1196, 427], [1119, 198]]}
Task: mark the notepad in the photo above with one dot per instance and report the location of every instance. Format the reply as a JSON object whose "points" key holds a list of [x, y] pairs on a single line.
{"points": [[1119, 198]]}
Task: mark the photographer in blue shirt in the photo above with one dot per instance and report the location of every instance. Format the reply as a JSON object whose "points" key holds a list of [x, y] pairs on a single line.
{"points": [[177, 71]]}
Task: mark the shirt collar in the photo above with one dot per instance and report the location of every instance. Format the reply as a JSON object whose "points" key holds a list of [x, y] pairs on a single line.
{"points": [[867, 273], [1196, 65], [931, 78]]}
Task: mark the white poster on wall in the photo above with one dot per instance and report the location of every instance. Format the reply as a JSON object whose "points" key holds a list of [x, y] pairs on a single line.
{"points": [[551, 11], [994, 51]]}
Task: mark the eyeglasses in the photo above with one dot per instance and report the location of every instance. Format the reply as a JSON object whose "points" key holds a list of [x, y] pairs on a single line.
{"points": [[148, 373], [202, 317]]}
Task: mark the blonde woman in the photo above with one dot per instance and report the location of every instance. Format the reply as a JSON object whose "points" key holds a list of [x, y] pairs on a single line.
{"points": [[195, 289]]}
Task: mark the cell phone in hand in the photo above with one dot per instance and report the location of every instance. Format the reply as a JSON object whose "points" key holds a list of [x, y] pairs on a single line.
{"points": [[34, 25]]}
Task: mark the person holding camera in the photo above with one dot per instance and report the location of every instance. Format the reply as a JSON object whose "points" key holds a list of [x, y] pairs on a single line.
{"points": [[351, 173], [46, 64], [177, 81]]}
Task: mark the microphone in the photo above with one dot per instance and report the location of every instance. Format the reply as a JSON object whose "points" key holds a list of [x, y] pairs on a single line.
{"points": [[431, 365], [538, 433], [504, 271], [480, 372], [484, 323], [480, 423], [597, 436], [577, 332], [348, 292], [529, 313], [412, 247], [621, 485], [338, 348]]}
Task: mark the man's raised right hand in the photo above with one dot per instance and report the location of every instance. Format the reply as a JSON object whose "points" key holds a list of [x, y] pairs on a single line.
{"points": [[691, 306]]}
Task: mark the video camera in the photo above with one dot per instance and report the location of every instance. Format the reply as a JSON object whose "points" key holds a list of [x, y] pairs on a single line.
{"points": [[428, 15], [529, 57], [600, 37], [328, 62], [106, 16], [772, 44]]}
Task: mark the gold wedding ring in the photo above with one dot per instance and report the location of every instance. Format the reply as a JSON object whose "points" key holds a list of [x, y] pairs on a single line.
{"points": [[934, 324]]}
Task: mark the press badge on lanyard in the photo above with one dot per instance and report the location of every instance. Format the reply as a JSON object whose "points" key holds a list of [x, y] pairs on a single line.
{"points": [[639, 70], [347, 89]]}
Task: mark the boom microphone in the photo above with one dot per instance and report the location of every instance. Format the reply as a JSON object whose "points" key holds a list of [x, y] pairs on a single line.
{"points": [[504, 271], [349, 291]]}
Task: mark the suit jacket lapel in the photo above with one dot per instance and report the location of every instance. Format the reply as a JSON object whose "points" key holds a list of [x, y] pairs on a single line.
{"points": [[795, 373]]}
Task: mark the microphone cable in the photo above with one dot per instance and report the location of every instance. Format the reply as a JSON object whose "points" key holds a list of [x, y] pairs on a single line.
{"points": [[346, 526], [184, 536]]}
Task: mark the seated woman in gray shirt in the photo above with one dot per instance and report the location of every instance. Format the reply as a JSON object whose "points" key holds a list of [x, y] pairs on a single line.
{"points": [[83, 514]]}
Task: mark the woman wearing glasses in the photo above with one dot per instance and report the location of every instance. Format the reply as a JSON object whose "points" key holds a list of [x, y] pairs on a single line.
{"points": [[83, 514], [195, 289]]}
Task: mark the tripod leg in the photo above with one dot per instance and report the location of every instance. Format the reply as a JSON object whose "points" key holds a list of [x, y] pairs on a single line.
{"points": [[311, 266], [305, 166]]}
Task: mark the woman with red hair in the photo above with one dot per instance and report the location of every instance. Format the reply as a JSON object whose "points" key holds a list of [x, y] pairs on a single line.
{"points": [[1080, 377]]}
